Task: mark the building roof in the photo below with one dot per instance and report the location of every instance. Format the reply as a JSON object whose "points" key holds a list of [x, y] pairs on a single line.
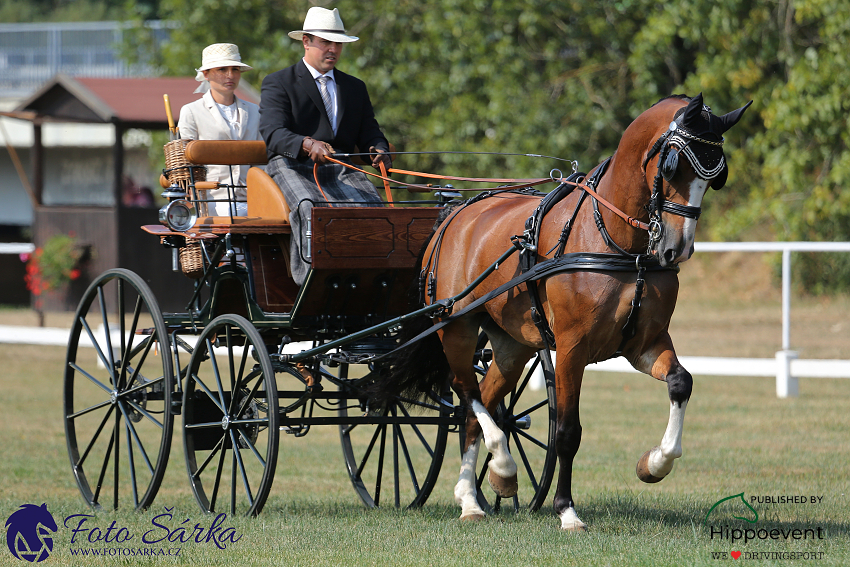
{"points": [[130, 102]]}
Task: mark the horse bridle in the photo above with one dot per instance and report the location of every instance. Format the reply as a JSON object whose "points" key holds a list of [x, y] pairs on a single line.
{"points": [[668, 162]]}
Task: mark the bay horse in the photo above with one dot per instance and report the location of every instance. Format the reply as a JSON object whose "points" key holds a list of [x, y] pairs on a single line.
{"points": [[584, 312]]}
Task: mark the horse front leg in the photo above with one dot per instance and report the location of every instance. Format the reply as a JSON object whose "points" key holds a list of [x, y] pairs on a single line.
{"points": [[569, 373], [663, 365]]}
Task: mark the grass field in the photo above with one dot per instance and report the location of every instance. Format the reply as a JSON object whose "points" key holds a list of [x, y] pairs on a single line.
{"points": [[738, 438]]}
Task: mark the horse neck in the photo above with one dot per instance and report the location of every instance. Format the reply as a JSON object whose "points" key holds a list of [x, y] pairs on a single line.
{"points": [[624, 185]]}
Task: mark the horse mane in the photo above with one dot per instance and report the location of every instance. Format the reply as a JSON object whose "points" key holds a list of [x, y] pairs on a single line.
{"points": [[682, 97]]}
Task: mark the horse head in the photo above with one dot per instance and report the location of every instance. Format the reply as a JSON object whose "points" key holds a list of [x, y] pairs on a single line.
{"points": [[683, 127]]}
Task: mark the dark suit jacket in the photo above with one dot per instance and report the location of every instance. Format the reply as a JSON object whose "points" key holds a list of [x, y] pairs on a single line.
{"points": [[291, 108]]}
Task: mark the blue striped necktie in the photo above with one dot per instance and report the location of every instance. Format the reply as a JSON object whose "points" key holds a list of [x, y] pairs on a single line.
{"points": [[326, 98]]}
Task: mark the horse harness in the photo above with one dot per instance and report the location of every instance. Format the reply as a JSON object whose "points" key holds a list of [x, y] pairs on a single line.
{"points": [[532, 271]]}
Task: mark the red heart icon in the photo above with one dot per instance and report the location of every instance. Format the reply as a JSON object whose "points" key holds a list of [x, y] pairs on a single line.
{"points": [[735, 554]]}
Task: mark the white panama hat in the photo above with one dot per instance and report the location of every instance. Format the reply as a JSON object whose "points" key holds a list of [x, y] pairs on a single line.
{"points": [[325, 24], [220, 55]]}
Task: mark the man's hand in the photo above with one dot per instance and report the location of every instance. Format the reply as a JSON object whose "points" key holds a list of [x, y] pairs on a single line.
{"points": [[316, 150], [380, 156]]}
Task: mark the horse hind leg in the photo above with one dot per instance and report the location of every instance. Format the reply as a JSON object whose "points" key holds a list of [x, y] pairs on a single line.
{"points": [[465, 492], [503, 469], [509, 360], [459, 341], [657, 463]]}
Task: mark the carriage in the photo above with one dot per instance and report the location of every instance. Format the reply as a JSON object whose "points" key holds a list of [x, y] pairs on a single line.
{"points": [[590, 273], [227, 372]]}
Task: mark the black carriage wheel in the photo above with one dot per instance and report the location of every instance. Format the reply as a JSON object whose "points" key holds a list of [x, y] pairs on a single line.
{"points": [[397, 461], [230, 418], [117, 398], [528, 419]]}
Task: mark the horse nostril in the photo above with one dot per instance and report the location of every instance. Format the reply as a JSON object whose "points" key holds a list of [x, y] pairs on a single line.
{"points": [[669, 256]]}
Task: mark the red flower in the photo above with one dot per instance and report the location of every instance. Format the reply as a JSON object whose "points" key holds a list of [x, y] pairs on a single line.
{"points": [[75, 273]]}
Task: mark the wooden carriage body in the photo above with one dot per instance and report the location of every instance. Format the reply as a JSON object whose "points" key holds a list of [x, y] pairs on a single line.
{"points": [[364, 259]]}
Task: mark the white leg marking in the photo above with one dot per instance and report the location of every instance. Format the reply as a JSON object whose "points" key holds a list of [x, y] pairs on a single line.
{"points": [[661, 458], [570, 521], [494, 439], [465, 487]]}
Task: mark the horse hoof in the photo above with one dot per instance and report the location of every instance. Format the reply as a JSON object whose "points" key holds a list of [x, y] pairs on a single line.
{"points": [[472, 518], [576, 528], [642, 469], [504, 487]]}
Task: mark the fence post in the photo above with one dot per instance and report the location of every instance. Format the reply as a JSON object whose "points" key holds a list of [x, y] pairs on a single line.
{"points": [[787, 385]]}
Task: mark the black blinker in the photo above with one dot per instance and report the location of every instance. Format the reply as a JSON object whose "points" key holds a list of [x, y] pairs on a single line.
{"points": [[718, 182], [670, 164]]}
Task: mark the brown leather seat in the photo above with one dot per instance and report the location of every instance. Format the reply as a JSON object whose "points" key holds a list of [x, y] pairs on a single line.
{"points": [[265, 198]]}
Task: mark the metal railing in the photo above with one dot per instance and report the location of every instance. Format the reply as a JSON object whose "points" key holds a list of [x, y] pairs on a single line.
{"points": [[32, 53]]}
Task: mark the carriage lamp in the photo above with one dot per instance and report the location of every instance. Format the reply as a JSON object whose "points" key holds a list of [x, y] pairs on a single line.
{"points": [[179, 215]]}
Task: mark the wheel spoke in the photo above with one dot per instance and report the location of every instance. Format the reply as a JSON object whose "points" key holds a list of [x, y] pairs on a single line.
{"points": [[145, 413], [380, 474], [116, 462], [103, 468], [132, 463], [408, 460], [231, 366], [528, 375], [89, 409], [107, 332], [534, 440], [76, 367], [532, 409], [251, 446], [396, 491], [96, 345], [217, 374], [85, 454], [418, 433], [218, 473], [208, 392], [138, 441], [238, 454], [528, 469], [148, 342], [218, 446], [378, 431]]}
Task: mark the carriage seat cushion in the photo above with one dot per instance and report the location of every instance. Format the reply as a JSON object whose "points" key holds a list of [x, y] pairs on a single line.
{"points": [[226, 152]]}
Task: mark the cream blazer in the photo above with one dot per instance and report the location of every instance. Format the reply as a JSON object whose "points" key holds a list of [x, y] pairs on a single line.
{"points": [[201, 120]]}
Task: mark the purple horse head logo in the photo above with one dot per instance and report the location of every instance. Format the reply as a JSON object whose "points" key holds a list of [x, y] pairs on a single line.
{"points": [[29, 533]]}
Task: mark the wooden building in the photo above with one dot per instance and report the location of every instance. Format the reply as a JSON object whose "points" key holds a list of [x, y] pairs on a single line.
{"points": [[90, 205]]}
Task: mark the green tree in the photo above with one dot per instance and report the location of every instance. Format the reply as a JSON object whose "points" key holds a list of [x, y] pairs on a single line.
{"points": [[565, 79]]}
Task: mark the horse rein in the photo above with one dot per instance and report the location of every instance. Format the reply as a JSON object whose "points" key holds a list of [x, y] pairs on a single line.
{"points": [[384, 176]]}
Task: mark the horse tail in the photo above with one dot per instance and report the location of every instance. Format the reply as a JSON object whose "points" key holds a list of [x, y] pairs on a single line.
{"points": [[415, 370], [418, 368]]}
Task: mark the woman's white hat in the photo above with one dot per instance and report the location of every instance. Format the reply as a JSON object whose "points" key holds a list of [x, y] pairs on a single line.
{"points": [[325, 24], [220, 55]]}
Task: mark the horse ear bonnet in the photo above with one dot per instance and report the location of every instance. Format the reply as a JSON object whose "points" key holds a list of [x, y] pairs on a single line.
{"points": [[700, 137]]}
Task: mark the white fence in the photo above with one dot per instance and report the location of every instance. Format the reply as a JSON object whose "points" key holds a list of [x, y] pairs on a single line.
{"points": [[786, 367]]}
